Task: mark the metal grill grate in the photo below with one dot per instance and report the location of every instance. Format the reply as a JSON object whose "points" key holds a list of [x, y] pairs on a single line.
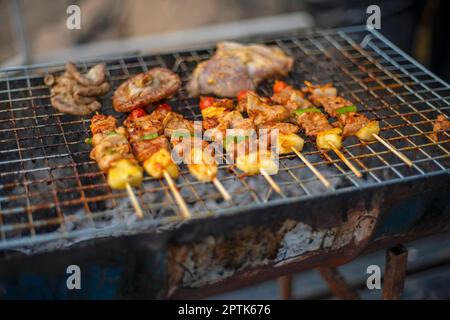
{"points": [[50, 189]]}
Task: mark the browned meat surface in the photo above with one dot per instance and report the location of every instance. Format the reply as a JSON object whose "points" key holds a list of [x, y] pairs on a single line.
{"points": [[176, 123], [144, 149], [101, 123], [223, 77], [262, 61], [313, 123], [351, 123], [332, 104], [213, 110], [291, 97], [316, 92], [282, 127], [235, 67], [441, 124], [109, 142], [146, 135], [261, 112], [75, 93], [243, 100], [145, 88], [140, 126]]}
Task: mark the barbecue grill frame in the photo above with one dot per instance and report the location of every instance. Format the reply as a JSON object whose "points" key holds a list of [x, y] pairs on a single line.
{"points": [[171, 221]]}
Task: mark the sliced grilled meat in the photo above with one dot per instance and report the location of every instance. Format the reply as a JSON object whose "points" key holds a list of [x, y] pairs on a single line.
{"points": [[75, 93]]}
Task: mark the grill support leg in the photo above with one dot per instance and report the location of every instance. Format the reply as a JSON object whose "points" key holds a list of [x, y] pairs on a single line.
{"points": [[285, 287], [337, 284], [394, 272]]}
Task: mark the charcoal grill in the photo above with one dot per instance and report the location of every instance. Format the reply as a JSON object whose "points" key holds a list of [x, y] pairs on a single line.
{"points": [[52, 196]]}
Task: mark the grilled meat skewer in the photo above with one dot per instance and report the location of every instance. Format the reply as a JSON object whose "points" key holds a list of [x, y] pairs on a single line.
{"points": [[112, 152], [150, 146], [351, 122], [236, 133], [190, 148], [311, 120]]}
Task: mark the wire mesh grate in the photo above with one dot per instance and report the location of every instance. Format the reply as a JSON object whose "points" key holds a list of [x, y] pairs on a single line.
{"points": [[50, 189]]}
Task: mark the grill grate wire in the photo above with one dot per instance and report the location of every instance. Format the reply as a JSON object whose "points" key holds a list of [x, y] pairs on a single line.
{"points": [[51, 190]]}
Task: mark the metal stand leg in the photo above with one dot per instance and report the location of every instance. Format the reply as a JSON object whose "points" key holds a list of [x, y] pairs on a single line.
{"points": [[285, 286], [337, 284], [394, 272]]}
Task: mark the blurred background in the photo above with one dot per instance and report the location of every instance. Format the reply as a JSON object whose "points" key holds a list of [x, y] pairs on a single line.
{"points": [[35, 31]]}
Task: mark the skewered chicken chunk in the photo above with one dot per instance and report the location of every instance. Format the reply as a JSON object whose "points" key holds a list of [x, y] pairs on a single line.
{"points": [[145, 88], [113, 154], [319, 91], [213, 109], [261, 112], [149, 145], [351, 122], [288, 96], [191, 148], [286, 136]]}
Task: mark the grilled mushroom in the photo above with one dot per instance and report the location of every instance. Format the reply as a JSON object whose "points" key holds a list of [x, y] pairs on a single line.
{"points": [[145, 88]]}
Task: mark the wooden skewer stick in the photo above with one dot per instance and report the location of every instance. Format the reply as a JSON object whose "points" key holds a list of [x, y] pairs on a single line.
{"points": [[134, 202], [324, 180], [269, 179], [404, 158], [226, 196], [345, 160], [185, 213]]}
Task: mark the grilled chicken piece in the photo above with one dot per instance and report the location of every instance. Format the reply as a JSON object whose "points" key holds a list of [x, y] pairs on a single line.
{"points": [[175, 123], [236, 67], [287, 137], [312, 122], [213, 110], [112, 152], [190, 148], [282, 127], [332, 105], [355, 124], [150, 146], [319, 91], [261, 112], [75, 93], [289, 97], [145, 88], [441, 124]]}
